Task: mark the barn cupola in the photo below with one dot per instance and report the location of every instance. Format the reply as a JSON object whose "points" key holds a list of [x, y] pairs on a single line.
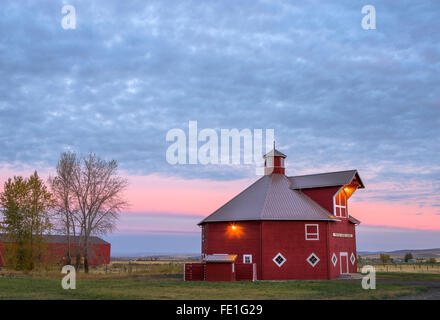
{"points": [[274, 162]]}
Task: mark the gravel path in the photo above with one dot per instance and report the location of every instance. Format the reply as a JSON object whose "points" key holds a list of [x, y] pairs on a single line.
{"points": [[432, 294]]}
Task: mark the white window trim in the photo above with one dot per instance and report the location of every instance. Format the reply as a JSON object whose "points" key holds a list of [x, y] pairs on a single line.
{"points": [[316, 262], [245, 256], [339, 206], [312, 233], [276, 262], [270, 162]]}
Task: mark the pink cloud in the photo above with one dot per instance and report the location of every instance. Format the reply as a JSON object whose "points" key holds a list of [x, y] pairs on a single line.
{"points": [[164, 195], [395, 214], [155, 193]]}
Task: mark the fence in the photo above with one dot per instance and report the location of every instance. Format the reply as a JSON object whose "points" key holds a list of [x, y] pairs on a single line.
{"points": [[408, 268], [194, 272], [197, 272], [245, 272]]}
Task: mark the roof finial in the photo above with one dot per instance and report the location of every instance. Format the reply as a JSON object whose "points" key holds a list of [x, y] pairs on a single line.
{"points": [[274, 144]]}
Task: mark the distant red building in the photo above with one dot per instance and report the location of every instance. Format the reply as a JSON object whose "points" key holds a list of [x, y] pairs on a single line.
{"points": [[99, 250], [287, 227]]}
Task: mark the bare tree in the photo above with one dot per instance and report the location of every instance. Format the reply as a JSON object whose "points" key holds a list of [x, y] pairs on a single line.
{"points": [[90, 197], [66, 209], [99, 195]]}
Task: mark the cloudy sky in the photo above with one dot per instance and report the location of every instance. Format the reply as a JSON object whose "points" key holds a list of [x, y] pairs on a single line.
{"points": [[337, 96]]}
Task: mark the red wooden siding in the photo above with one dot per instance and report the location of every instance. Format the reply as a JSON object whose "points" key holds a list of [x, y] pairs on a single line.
{"points": [[194, 271], [277, 168], [244, 271], [342, 244], [288, 238], [98, 253], [219, 238], [220, 272], [2, 254], [323, 196]]}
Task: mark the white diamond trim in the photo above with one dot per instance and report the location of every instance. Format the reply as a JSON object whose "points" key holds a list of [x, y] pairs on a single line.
{"points": [[334, 259], [276, 262], [316, 262], [352, 258]]}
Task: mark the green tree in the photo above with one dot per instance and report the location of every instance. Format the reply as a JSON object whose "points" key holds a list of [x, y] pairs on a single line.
{"points": [[385, 258], [25, 206], [431, 260], [408, 257]]}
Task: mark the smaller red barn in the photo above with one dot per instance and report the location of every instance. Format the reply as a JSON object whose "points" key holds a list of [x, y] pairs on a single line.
{"points": [[220, 267], [99, 249]]}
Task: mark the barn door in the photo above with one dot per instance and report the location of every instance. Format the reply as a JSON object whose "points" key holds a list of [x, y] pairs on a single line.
{"points": [[343, 258]]}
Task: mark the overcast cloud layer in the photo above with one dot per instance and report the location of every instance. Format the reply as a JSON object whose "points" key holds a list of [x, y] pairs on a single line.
{"points": [[338, 96]]}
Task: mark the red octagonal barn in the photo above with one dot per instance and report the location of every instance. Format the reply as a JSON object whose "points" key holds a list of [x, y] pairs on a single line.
{"points": [[288, 227]]}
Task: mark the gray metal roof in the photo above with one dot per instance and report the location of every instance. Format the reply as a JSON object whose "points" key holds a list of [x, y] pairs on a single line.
{"points": [[221, 258], [274, 153], [329, 179], [270, 198], [60, 239], [353, 220]]}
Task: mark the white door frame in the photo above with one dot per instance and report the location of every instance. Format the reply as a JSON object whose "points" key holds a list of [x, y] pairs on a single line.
{"points": [[342, 254]]}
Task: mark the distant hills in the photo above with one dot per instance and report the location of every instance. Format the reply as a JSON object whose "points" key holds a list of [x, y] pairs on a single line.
{"points": [[417, 253], [157, 257]]}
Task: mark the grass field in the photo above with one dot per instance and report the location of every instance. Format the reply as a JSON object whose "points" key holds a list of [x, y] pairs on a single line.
{"points": [[166, 287], [164, 281]]}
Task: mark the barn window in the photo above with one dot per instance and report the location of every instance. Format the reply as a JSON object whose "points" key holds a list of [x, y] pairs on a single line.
{"points": [[282, 163], [334, 259], [270, 162], [313, 259], [312, 232], [279, 260], [352, 258], [247, 258], [340, 204]]}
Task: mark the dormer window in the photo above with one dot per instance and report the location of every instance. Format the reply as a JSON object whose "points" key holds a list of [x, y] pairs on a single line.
{"points": [[270, 162], [340, 204]]}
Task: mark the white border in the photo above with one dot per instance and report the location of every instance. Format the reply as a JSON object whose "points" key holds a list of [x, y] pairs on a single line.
{"points": [[339, 206], [276, 256], [244, 260], [334, 256], [352, 258], [342, 254], [311, 233], [316, 262]]}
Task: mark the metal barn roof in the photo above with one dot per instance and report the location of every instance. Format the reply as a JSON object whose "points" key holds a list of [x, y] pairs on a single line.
{"points": [[275, 153], [60, 239], [221, 258], [329, 179], [270, 198]]}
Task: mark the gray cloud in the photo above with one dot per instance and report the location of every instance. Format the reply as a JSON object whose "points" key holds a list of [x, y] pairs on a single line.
{"points": [[337, 96]]}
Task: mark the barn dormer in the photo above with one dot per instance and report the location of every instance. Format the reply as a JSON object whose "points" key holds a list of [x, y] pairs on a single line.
{"points": [[331, 190], [274, 162]]}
